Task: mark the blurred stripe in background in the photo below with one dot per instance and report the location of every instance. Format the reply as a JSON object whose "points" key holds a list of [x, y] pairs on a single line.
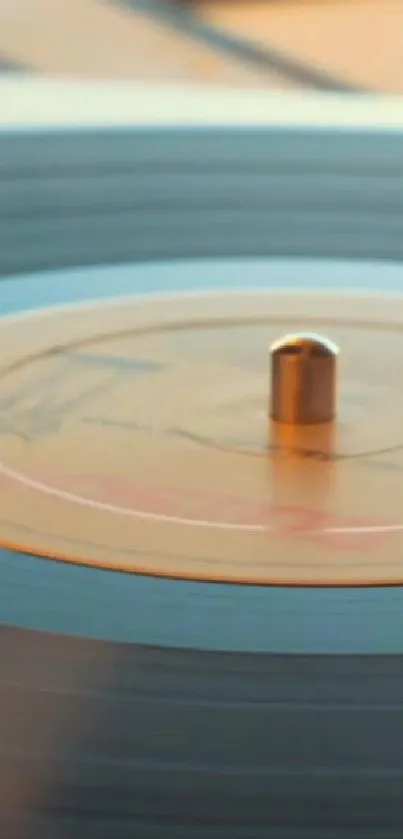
{"points": [[321, 44]]}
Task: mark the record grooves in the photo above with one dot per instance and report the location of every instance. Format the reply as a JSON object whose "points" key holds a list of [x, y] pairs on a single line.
{"points": [[199, 637]]}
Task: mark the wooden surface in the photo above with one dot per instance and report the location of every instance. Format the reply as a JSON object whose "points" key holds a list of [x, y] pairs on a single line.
{"points": [[92, 39], [357, 42]]}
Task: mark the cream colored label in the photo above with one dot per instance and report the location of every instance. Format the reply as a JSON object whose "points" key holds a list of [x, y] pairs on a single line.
{"points": [[141, 441]]}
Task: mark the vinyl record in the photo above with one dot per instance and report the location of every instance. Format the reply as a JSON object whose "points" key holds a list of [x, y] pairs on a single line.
{"points": [[202, 607]]}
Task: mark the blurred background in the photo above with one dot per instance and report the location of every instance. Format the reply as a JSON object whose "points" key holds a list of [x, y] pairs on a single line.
{"points": [[342, 45]]}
